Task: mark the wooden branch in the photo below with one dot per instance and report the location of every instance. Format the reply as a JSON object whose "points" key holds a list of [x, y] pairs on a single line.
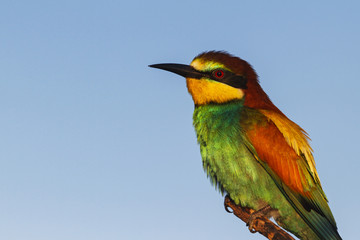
{"points": [[261, 224]]}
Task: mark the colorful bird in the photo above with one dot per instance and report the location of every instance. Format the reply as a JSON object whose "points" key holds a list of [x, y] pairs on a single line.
{"points": [[251, 150]]}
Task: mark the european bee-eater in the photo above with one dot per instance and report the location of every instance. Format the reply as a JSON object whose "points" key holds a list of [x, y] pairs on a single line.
{"points": [[251, 150]]}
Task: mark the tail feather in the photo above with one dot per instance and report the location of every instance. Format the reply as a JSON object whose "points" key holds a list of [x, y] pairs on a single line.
{"points": [[322, 226], [314, 209]]}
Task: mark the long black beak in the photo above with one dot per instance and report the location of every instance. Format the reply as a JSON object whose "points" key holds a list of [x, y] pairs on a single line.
{"points": [[181, 69]]}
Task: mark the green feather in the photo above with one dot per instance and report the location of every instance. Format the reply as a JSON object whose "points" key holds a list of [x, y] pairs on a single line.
{"points": [[232, 164]]}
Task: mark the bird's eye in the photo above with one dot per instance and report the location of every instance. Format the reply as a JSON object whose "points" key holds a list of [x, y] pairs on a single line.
{"points": [[218, 74]]}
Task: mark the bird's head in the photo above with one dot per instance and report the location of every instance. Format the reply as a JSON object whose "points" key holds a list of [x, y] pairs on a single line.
{"points": [[218, 77]]}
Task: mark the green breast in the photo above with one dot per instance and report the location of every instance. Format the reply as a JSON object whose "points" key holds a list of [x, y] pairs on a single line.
{"points": [[220, 130], [228, 159]]}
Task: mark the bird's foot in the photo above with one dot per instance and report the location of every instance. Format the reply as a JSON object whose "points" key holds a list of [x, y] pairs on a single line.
{"points": [[262, 212]]}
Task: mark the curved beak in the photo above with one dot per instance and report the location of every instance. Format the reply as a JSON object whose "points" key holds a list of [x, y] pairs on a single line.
{"points": [[186, 71]]}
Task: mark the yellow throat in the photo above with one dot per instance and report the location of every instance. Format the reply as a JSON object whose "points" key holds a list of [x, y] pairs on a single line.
{"points": [[204, 91]]}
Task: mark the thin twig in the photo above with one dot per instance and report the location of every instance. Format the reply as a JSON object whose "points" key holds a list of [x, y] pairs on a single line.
{"points": [[261, 224]]}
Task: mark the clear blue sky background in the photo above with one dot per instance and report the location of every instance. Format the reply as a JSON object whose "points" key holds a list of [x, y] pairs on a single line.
{"points": [[96, 145]]}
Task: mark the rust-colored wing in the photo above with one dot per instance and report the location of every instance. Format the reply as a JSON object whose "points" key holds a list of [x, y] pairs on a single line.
{"points": [[284, 146]]}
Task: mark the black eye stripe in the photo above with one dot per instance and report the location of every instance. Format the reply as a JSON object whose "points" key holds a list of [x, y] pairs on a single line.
{"points": [[227, 77], [236, 81]]}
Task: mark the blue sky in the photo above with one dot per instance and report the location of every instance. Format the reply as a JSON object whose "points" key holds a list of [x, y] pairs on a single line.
{"points": [[96, 145]]}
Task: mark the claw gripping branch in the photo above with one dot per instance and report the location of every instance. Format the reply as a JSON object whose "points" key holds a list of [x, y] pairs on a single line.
{"points": [[261, 224]]}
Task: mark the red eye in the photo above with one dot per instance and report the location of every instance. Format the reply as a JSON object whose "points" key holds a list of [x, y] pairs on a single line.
{"points": [[218, 73]]}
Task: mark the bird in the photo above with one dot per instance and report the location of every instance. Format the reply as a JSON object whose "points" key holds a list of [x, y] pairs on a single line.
{"points": [[251, 150]]}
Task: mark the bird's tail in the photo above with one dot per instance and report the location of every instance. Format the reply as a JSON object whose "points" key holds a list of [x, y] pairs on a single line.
{"points": [[323, 226]]}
